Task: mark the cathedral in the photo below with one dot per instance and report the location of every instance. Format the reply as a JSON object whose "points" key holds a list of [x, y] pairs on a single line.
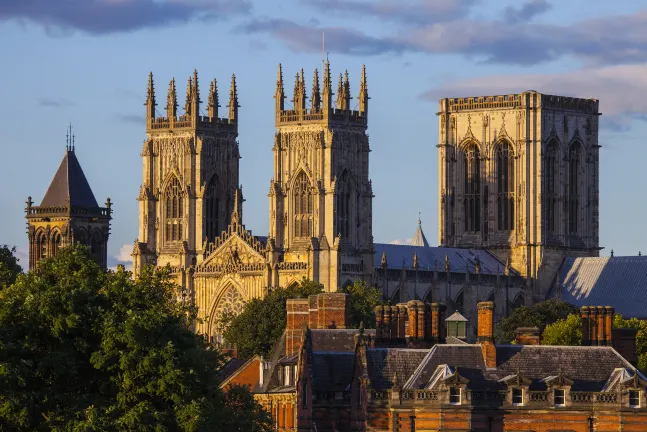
{"points": [[518, 196]]}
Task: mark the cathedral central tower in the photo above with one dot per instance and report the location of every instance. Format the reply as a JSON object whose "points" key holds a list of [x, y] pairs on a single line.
{"points": [[321, 195]]}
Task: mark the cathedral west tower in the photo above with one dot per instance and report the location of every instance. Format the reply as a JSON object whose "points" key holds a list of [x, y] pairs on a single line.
{"points": [[320, 194], [190, 177], [519, 176]]}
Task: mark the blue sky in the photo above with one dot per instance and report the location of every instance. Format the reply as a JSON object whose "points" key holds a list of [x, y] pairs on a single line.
{"points": [[87, 62]]}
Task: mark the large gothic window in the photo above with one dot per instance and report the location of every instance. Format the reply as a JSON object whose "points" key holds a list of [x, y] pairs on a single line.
{"points": [[574, 164], [342, 205], [302, 199], [505, 186], [174, 211], [550, 187], [231, 304], [211, 209], [472, 203]]}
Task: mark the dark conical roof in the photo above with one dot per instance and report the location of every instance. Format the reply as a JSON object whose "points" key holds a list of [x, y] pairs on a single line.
{"points": [[69, 181]]}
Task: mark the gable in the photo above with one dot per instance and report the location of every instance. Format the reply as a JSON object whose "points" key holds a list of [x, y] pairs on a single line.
{"points": [[234, 254]]}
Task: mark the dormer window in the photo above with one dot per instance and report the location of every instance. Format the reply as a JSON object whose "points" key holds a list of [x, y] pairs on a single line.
{"points": [[455, 395], [559, 397], [634, 399], [288, 376], [517, 396]]}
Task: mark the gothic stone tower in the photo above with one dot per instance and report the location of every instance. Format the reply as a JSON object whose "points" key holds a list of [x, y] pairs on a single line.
{"points": [[190, 175], [68, 214], [519, 175], [321, 195]]}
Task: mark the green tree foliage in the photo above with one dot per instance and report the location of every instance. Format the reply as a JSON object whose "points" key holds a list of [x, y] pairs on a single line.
{"points": [[564, 331], [641, 337], [539, 315], [9, 267], [83, 349], [257, 329], [362, 300]]}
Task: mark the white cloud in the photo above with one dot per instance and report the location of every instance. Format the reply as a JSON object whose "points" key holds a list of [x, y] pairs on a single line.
{"points": [[402, 242], [620, 89], [123, 258]]}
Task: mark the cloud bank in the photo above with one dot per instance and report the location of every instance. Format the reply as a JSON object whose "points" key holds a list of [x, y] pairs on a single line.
{"points": [[100, 17]]}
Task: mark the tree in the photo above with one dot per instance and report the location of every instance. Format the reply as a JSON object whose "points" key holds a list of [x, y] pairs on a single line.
{"points": [[83, 349], [362, 300], [564, 332], [9, 267], [641, 337], [257, 329], [539, 315]]}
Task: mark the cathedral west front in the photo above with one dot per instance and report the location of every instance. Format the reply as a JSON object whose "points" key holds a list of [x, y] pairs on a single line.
{"points": [[518, 192]]}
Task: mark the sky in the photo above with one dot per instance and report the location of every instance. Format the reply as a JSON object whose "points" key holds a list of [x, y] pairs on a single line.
{"points": [[87, 63]]}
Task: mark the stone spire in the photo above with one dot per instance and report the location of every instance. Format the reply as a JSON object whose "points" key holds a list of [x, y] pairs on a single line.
{"points": [[150, 99], [171, 101], [447, 266], [419, 238], [347, 96], [188, 104], [327, 87], [316, 94], [213, 103], [280, 92], [233, 100], [341, 98], [237, 212], [384, 263], [363, 93]]}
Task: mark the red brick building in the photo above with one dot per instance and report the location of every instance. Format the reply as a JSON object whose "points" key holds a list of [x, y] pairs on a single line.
{"points": [[404, 377]]}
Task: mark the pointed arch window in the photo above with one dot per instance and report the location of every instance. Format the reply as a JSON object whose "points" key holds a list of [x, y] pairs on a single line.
{"points": [[342, 205], [505, 186], [472, 203], [574, 165], [518, 302], [56, 243], [82, 237], [460, 303], [212, 210], [41, 246], [96, 246], [550, 187], [302, 201], [174, 202]]}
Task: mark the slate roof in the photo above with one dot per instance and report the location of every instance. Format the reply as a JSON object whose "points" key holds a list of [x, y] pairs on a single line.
{"points": [[588, 367], [419, 238], [430, 258], [69, 181], [332, 371], [385, 364], [336, 340], [620, 282]]}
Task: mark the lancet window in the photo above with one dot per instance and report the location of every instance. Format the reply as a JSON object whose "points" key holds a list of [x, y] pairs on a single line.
{"points": [[472, 203], [574, 166], [505, 186], [41, 246], [96, 243], [212, 209], [550, 186], [174, 202], [56, 242], [303, 203], [342, 206]]}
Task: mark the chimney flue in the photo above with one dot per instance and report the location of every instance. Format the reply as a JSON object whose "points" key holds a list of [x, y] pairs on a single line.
{"points": [[485, 333]]}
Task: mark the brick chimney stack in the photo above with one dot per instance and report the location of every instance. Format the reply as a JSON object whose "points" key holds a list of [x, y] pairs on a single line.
{"points": [[485, 335], [320, 311], [597, 324], [527, 336]]}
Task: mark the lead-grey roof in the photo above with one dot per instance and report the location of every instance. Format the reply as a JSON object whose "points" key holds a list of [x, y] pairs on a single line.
{"points": [[430, 258], [620, 282], [69, 182], [419, 238]]}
